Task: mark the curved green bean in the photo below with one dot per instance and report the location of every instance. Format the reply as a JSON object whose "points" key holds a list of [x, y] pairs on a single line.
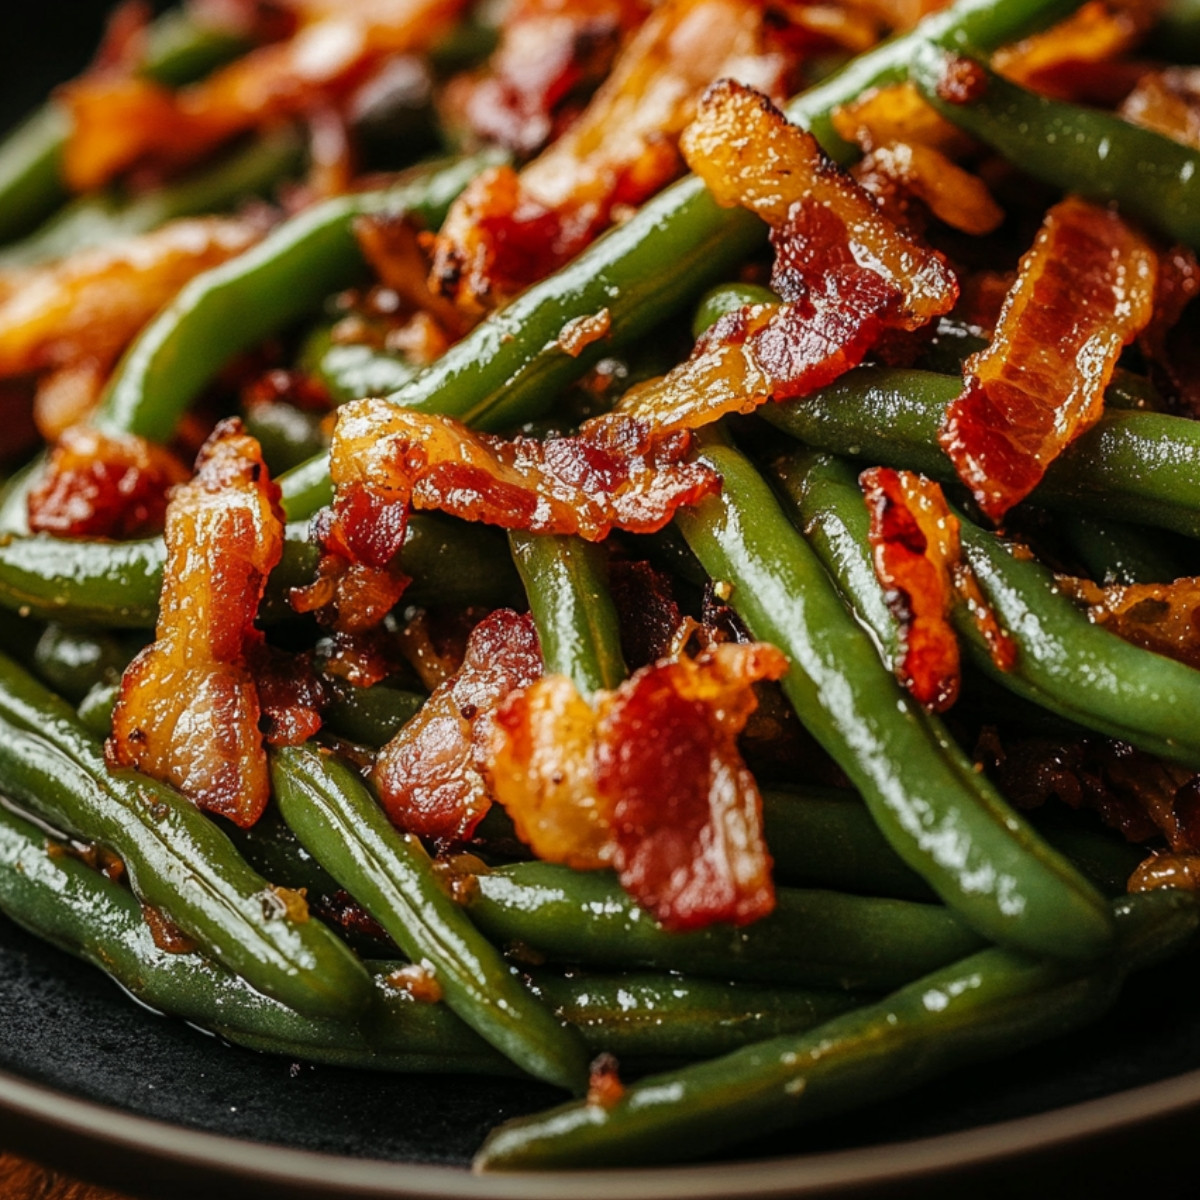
{"points": [[352, 370]]}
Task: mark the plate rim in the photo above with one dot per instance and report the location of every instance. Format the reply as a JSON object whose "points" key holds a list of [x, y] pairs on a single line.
{"points": [[277, 1166]]}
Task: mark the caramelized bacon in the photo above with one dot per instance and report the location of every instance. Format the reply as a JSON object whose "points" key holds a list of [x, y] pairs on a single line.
{"points": [[550, 53], [429, 776], [119, 122], [620, 475], [507, 230], [914, 537], [98, 485], [897, 113], [188, 711], [1168, 102], [1085, 290], [93, 303], [290, 694]]}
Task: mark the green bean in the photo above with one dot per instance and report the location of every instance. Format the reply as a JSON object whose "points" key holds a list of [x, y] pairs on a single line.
{"points": [[117, 584], [935, 810], [352, 371], [96, 219], [1114, 552], [31, 184], [73, 661], [337, 819], [566, 581], [177, 859], [287, 434], [238, 304], [95, 710], [991, 1004], [727, 298], [813, 938], [1095, 154], [1139, 467], [371, 716]]}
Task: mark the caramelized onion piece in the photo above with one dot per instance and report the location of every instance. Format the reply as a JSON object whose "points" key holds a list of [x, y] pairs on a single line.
{"points": [[94, 302], [430, 775], [914, 536], [1085, 290], [619, 474], [100, 485], [188, 711], [508, 230]]}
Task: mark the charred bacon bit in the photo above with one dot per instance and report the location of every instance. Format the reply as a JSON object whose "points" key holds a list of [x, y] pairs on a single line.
{"points": [[649, 615], [686, 812], [914, 537], [1085, 290], [121, 122], [430, 775], [618, 475], [551, 53], [506, 230], [541, 769], [1163, 617], [748, 154], [1168, 102], [604, 1081], [1169, 341], [897, 113], [99, 485], [577, 335], [94, 302], [290, 694], [188, 711]]}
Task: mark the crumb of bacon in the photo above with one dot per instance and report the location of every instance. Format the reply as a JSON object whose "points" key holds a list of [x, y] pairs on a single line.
{"points": [[845, 273], [102, 485], [604, 1081], [1085, 290], [188, 711], [647, 778], [430, 775], [508, 229], [120, 121]]}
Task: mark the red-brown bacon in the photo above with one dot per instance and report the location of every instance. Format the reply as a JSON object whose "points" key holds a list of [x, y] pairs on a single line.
{"points": [[845, 273], [914, 537], [189, 711], [507, 230], [649, 781], [1168, 102], [623, 475], [1085, 290], [430, 775], [99, 485]]}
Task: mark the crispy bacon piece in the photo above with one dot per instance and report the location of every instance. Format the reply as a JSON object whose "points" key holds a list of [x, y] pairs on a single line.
{"points": [[189, 711], [1168, 102], [1085, 290], [99, 485], [621, 475], [430, 775], [506, 230], [897, 113], [914, 537], [846, 274], [550, 52], [290, 693], [650, 781], [93, 303], [119, 122]]}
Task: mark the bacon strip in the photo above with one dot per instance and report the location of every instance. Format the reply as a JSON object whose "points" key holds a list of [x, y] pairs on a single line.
{"points": [[119, 122], [650, 781], [430, 775], [506, 230], [844, 271], [621, 475], [98, 485], [914, 536], [1168, 102], [188, 711], [1085, 290]]}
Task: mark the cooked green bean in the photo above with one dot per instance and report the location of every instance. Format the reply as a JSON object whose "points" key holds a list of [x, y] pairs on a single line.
{"points": [[813, 938], [352, 371], [341, 824], [993, 1003], [73, 661], [372, 715], [1114, 552], [177, 859], [935, 810]]}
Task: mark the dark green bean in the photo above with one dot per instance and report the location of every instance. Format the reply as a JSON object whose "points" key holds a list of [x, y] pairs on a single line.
{"points": [[177, 859], [1082, 150], [1114, 552], [341, 824], [73, 661], [117, 584], [352, 371], [238, 304], [372, 715], [96, 709], [287, 434], [935, 810], [993, 1003], [813, 938], [566, 580], [1140, 467]]}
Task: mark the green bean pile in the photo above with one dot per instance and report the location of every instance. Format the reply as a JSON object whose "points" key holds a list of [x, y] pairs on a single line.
{"points": [[921, 922]]}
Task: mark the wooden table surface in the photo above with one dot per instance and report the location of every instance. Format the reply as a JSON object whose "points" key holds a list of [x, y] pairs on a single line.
{"points": [[22, 1180]]}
